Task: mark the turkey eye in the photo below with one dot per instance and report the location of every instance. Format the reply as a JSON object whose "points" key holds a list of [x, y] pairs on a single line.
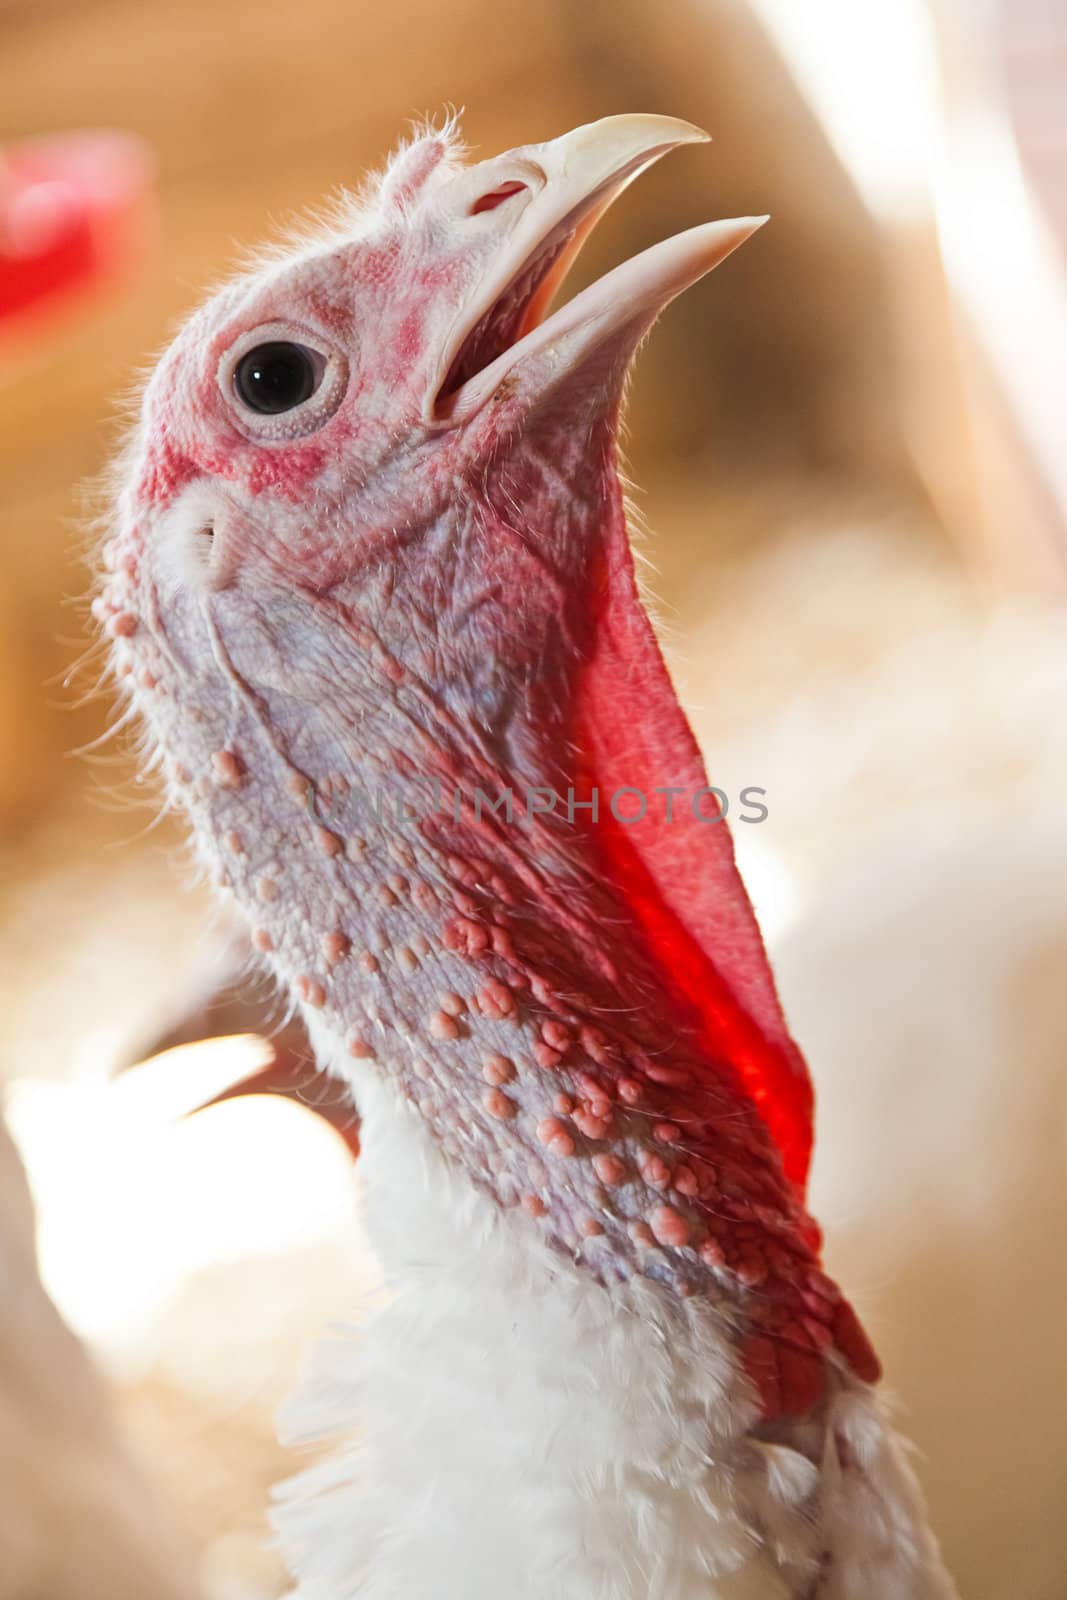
{"points": [[278, 385], [277, 377]]}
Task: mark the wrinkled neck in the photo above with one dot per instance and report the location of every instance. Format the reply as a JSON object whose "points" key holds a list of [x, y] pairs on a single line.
{"points": [[372, 800], [480, 961]]}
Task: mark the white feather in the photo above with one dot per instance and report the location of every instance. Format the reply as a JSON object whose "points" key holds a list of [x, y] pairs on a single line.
{"points": [[509, 1427]]}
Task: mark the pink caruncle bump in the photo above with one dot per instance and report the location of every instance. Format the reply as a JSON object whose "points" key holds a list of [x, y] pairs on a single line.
{"points": [[229, 773]]}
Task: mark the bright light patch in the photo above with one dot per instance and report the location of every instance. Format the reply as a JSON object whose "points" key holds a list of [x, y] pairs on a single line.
{"points": [[1003, 263], [771, 886], [134, 1196], [870, 71]]}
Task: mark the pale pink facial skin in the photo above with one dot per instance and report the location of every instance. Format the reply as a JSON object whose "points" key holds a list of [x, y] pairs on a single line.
{"points": [[371, 598]]}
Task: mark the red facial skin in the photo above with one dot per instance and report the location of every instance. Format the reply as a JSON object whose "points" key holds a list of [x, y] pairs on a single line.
{"points": [[581, 1010]]}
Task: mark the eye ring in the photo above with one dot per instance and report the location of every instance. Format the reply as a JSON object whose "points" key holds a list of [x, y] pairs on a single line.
{"points": [[278, 383]]}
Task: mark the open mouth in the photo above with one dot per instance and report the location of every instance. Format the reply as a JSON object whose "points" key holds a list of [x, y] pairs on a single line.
{"points": [[509, 322], [521, 303], [508, 318]]}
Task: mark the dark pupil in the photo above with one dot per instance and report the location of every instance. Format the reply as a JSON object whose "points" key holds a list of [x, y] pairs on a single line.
{"points": [[275, 377]]}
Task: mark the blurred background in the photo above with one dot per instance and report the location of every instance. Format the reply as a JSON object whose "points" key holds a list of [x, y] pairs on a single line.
{"points": [[851, 455]]}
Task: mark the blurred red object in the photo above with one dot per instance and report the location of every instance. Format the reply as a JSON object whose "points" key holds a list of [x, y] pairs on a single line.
{"points": [[74, 207]]}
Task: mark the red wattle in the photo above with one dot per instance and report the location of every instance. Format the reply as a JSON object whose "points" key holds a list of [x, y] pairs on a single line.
{"points": [[679, 877]]}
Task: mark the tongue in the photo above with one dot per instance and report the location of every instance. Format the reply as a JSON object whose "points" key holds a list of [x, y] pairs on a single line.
{"points": [[678, 876]]}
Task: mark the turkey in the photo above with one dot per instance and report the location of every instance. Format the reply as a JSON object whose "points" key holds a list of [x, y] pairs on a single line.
{"points": [[371, 590]]}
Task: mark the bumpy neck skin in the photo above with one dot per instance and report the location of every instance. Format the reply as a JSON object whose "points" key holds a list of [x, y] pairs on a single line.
{"points": [[369, 766]]}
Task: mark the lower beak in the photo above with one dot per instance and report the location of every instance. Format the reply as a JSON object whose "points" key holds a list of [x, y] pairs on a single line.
{"points": [[575, 179]]}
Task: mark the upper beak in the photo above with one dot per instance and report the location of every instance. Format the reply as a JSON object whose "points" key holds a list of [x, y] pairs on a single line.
{"points": [[552, 196]]}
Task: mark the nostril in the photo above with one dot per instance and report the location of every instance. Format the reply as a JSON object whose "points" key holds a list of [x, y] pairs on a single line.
{"points": [[204, 552], [496, 197]]}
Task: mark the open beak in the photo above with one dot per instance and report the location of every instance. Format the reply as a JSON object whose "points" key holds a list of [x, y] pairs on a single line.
{"points": [[546, 199]]}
